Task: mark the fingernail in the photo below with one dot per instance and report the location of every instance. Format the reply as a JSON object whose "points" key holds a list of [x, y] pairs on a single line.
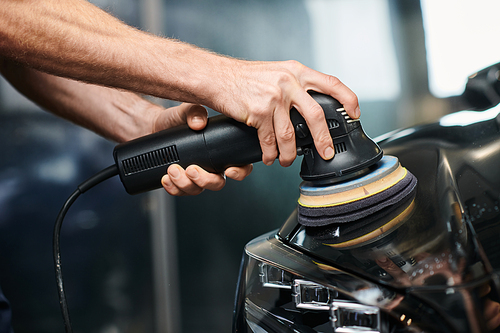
{"points": [[382, 260], [192, 173], [166, 181], [232, 174], [357, 112], [174, 172], [329, 152], [197, 119]]}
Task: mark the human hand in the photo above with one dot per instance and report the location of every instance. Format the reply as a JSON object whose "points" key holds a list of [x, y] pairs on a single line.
{"points": [[491, 310], [193, 180], [492, 314], [263, 94]]}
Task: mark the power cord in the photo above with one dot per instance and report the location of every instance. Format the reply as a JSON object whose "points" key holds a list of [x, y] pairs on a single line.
{"points": [[99, 177]]}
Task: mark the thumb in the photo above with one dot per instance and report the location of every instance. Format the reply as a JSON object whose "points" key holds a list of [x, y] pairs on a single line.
{"points": [[193, 114]]}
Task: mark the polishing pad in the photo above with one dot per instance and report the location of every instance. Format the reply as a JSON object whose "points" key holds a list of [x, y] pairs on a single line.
{"points": [[386, 185]]}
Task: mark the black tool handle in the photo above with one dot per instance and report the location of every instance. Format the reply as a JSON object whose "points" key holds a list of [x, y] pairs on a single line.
{"points": [[224, 142]]}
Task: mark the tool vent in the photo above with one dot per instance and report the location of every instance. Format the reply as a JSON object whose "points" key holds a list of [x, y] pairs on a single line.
{"points": [[340, 147], [150, 160], [332, 123]]}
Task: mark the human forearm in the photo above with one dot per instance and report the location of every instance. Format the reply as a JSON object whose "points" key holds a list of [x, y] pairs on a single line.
{"points": [[77, 40], [115, 114]]}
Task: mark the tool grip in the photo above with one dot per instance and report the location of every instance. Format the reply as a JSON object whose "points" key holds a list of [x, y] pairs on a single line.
{"points": [[224, 142]]}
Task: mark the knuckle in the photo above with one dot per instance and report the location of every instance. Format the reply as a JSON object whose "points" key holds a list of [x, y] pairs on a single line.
{"points": [[257, 116], [288, 134], [350, 99], [286, 78], [268, 140], [191, 189], [323, 139], [173, 190], [201, 182], [294, 65], [333, 81], [275, 93], [215, 183], [316, 111], [205, 181], [218, 186]]}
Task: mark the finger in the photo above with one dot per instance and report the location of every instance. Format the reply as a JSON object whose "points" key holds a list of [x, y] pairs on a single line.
{"points": [[239, 173], [176, 182], [197, 116], [169, 186], [267, 142], [285, 137], [493, 323], [204, 179], [316, 122], [491, 309], [193, 114], [331, 85], [492, 314]]}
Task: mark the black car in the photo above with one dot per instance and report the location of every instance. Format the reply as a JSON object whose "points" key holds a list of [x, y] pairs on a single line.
{"points": [[433, 266]]}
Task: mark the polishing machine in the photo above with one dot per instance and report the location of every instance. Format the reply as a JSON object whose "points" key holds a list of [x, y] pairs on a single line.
{"points": [[355, 184], [226, 142]]}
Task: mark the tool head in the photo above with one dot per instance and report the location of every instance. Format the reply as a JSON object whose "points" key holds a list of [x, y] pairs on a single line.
{"points": [[386, 185], [353, 185], [355, 152]]}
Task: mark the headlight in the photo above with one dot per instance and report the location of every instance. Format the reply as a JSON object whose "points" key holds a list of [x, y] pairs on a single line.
{"points": [[273, 277], [312, 296], [354, 317], [345, 316], [277, 300], [282, 289]]}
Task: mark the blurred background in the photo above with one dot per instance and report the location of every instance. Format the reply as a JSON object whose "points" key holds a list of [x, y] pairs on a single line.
{"points": [[153, 263]]}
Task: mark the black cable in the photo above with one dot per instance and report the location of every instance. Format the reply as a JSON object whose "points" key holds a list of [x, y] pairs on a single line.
{"points": [[82, 188]]}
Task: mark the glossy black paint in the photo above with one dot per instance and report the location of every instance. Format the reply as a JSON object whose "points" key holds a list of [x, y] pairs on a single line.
{"points": [[438, 253], [455, 214]]}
